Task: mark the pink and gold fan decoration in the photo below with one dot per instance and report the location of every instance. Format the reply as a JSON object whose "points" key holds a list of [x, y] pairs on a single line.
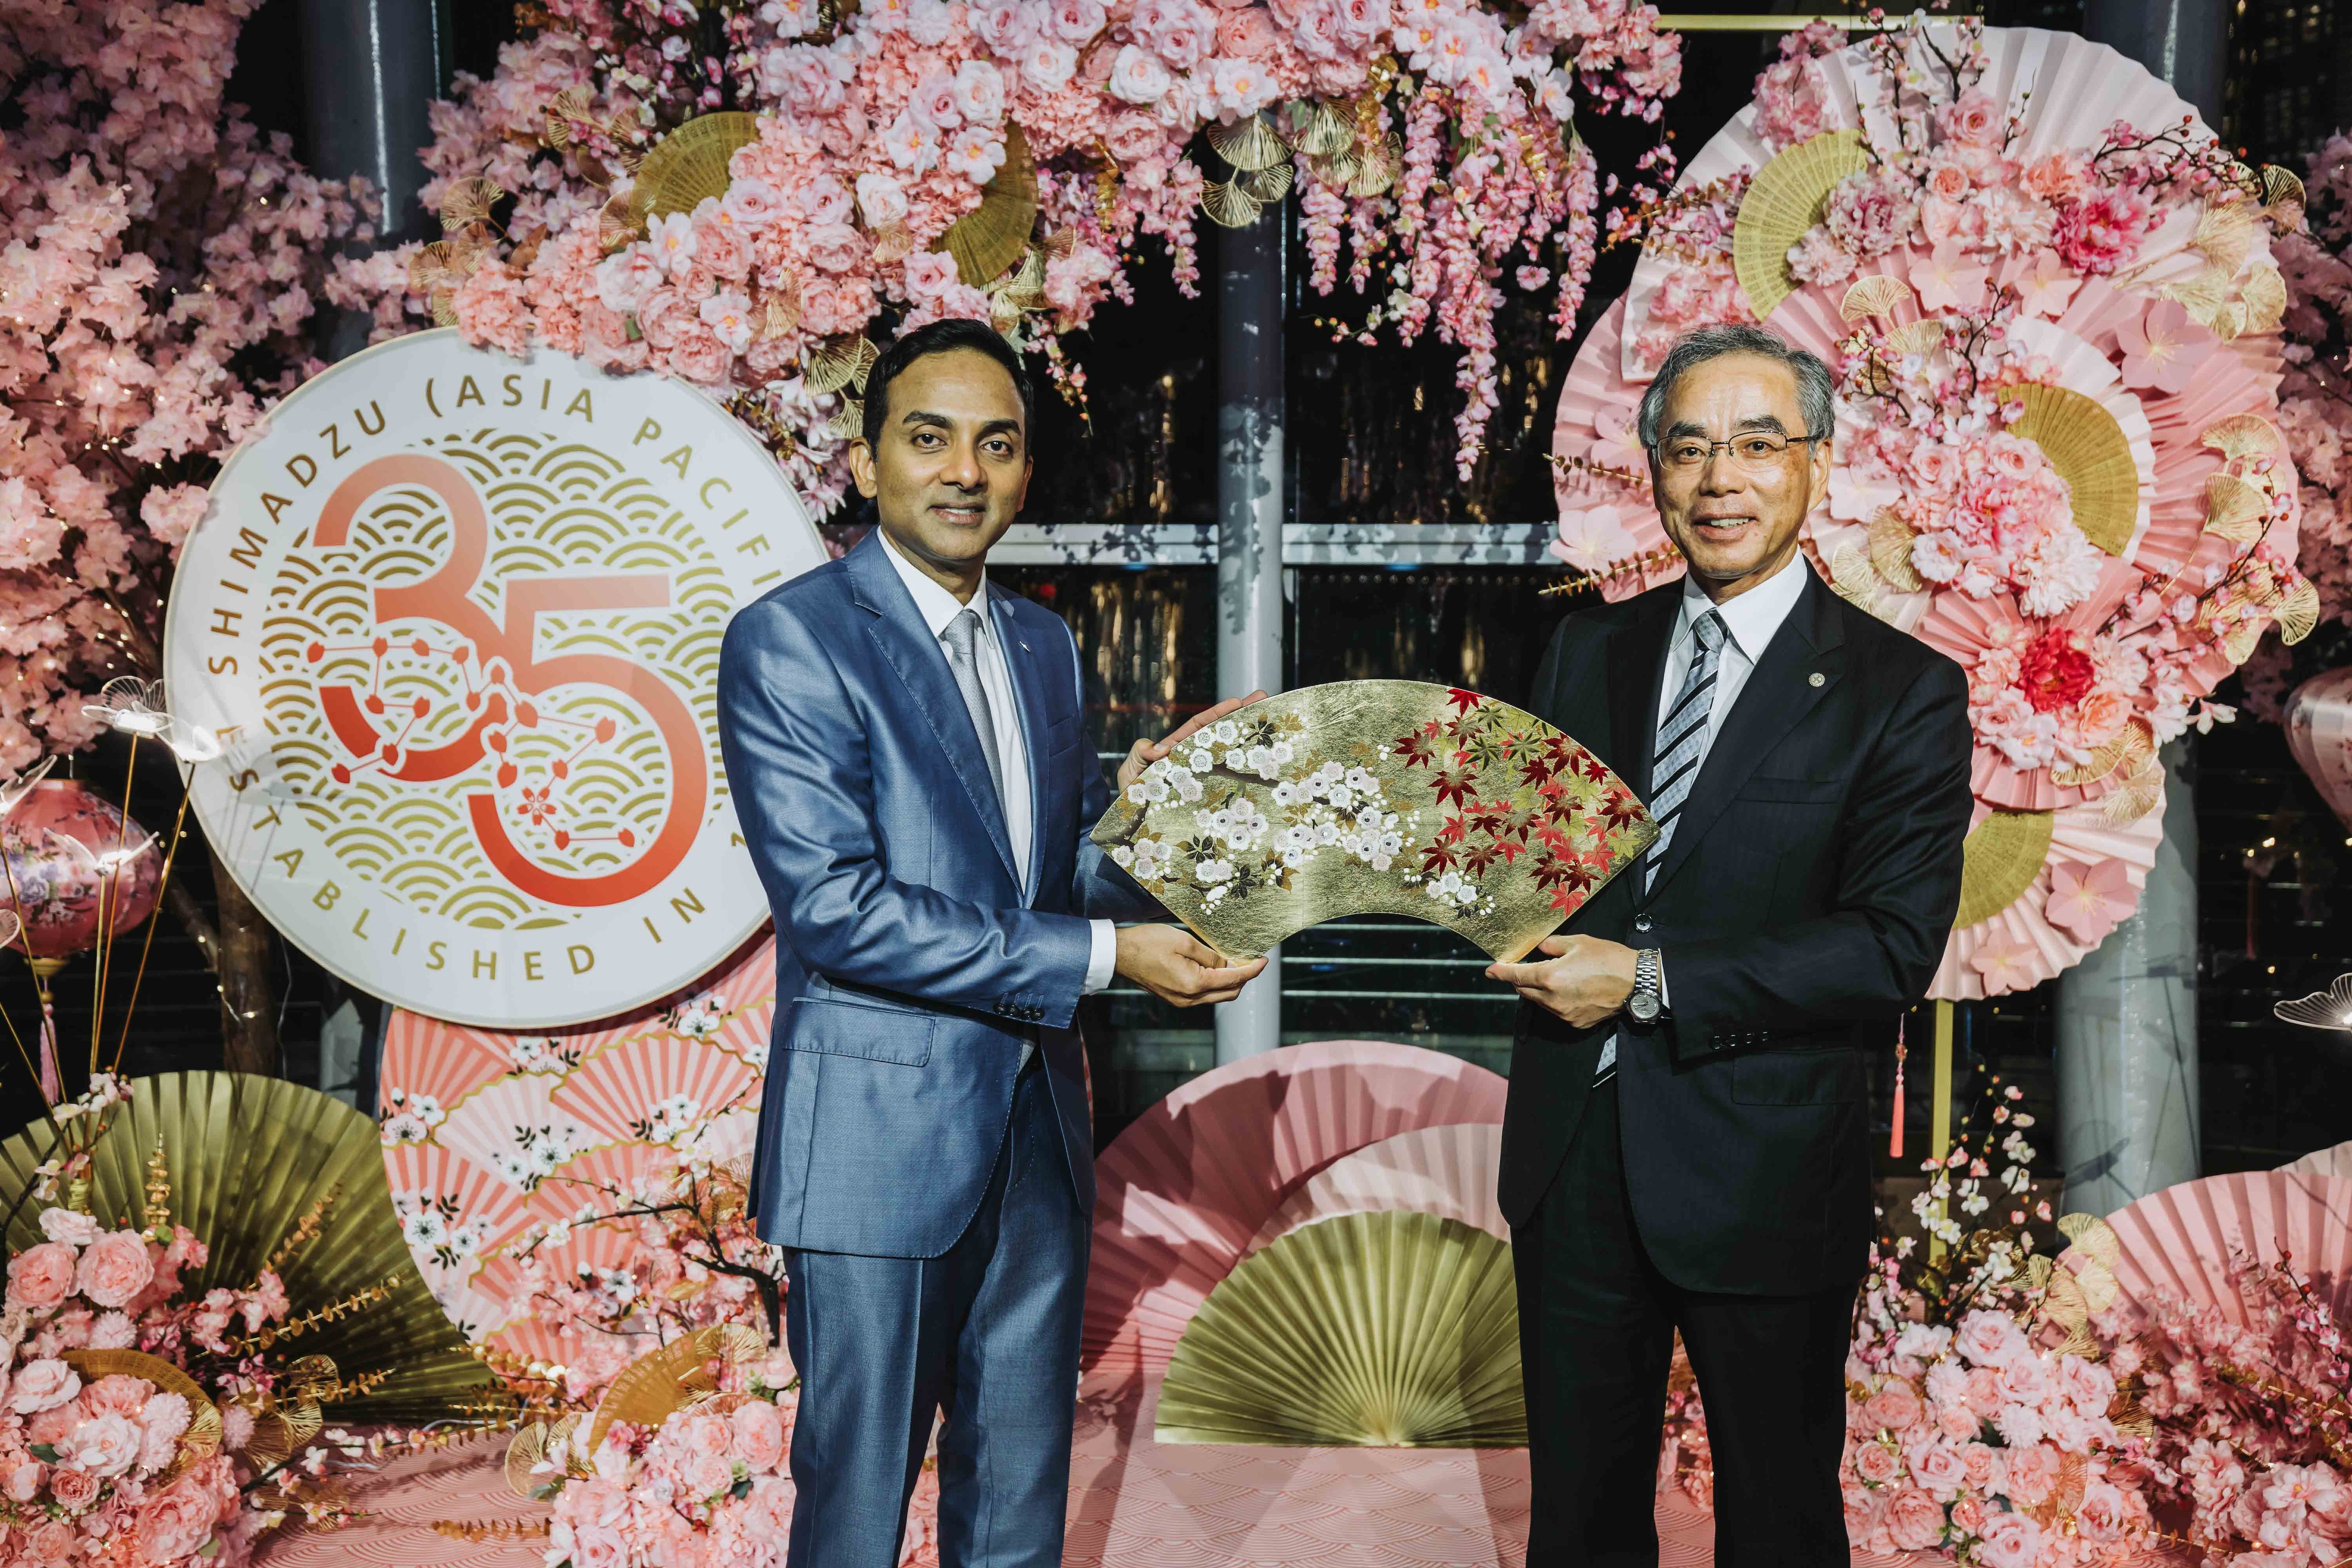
{"points": [[501, 1148], [2180, 1242], [2047, 299]]}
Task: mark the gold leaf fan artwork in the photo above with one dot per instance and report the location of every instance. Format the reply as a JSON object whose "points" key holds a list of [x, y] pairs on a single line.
{"points": [[690, 163], [1999, 861], [667, 1379], [1376, 797], [994, 235], [2091, 453], [1784, 200], [249, 1164], [1387, 1329]]}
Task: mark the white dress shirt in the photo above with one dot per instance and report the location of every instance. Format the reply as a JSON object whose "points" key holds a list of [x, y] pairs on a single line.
{"points": [[937, 607], [1749, 621]]}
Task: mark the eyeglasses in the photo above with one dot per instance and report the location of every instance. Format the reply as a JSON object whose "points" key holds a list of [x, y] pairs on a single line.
{"points": [[1757, 451]]}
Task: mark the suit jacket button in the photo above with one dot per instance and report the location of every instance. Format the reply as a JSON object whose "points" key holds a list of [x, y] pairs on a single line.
{"points": [[1641, 922]]}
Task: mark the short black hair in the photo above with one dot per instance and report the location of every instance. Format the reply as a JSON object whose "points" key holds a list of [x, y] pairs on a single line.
{"points": [[943, 336]]}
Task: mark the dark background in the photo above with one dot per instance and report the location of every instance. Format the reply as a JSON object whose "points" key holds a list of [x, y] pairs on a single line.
{"points": [[1372, 436]]}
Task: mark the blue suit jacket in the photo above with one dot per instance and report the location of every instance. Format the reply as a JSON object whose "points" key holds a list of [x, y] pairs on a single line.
{"points": [[909, 968]]}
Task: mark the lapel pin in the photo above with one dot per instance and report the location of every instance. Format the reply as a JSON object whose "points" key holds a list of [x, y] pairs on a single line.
{"points": [[1817, 678]]}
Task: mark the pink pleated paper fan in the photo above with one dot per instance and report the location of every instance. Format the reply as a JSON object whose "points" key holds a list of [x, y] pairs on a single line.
{"points": [[1181, 1192], [1609, 527], [503, 1131], [2334, 1160], [2180, 1242], [1453, 1172], [2106, 867]]}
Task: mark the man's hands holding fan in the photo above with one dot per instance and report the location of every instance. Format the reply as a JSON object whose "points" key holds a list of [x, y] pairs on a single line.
{"points": [[1169, 960]]}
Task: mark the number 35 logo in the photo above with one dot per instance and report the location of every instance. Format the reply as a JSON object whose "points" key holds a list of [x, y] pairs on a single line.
{"points": [[504, 684]]}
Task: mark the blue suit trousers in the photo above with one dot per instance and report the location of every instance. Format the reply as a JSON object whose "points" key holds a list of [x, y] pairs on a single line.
{"points": [[987, 1333]]}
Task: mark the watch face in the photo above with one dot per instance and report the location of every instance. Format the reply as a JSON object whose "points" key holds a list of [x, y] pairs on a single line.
{"points": [[1644, 1006]]}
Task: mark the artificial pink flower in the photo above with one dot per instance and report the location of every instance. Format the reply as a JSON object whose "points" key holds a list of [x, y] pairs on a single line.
{"points": [[1592, 540], [2008, 1541], [1945, 279], [44, 1384], [2088, 902], [114, 1268], [2047, 289], [2163, 349], [41, 1277]]}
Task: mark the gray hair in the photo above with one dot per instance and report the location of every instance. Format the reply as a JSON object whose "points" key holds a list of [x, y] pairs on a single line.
{"points": [[1695, 348]]}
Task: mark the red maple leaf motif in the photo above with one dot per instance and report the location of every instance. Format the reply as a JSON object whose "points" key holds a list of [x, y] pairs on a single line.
{"points": [[1410, 748], [1593, 768], [1550, 789], [1453, 832], [1480, 860], [1464, 701], [1451, 790], [1510, 849], [1552, 838], [1560, 749], [1621, 810], [1566, 900], [1436, 858]]}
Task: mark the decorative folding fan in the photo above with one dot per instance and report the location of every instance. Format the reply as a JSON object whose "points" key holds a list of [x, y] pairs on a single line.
{"points": [[489, 1135], [2328, 1009], [2039, 890], [1374, 1308], [2335, 1160], [1191, 1183], [1393, 1330], [2180, 1242], [1388, 797], [247, 1158]]}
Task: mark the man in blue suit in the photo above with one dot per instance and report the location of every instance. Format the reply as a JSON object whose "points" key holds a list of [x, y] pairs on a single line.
{"points": [[905, 743]]}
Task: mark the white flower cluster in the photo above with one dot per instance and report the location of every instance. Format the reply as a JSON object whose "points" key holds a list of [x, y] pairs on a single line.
{"points": [[409, 1116], [1335, 807], [673, 1119], [536, 1156], [1451, 889], [537, 1053]]}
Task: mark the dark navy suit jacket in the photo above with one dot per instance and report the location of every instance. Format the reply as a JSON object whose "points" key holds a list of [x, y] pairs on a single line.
{"points": [[910, 968]]}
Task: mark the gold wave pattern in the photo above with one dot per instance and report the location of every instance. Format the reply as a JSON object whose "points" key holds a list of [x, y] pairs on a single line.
{"points": [[556, 508]]}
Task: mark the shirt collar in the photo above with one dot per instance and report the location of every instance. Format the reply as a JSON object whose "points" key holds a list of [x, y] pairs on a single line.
{"points": [[1751, 617], [933, 602]]}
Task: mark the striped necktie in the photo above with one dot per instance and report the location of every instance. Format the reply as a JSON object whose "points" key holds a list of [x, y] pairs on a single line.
{"points": [[1681, 747], [1682, 741]]}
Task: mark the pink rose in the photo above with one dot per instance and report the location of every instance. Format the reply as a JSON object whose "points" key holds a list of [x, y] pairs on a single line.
{"points": [[1897, 1407], [1937, 1467], [74, 1489], [1989, 1338], [1915, 1519], [704, 1476], [698, 356], [104, 1446], [2032, 1471], [21, 1477], [113, 1332], [1876, 1463], [1246, 35], [2055, 178], [2103, 1511], [2010, 1541], [759, 1435], [54, 1425], [41, 1277], [115, 1268], [837, 247], [1973, 118], [1949, 181], [70, 1226], [1134, 135], [1982, 1465], [52, 1542], [177, 1520], [42, 1386], [117, 1395], [1967, 1515]]}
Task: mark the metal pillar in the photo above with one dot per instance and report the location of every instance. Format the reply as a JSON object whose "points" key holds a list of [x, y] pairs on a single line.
{"points": [[2185, 42], [1251, 509], [2128, 1091], [2127, 1096], [371, 69]]}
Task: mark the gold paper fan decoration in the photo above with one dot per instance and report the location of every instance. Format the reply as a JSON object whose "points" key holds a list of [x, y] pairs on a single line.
{"points": [[1999, 861], [2240, 436], [2091, 453], [1377, 167], [2235, 509], [1268, 184], [1872, 296], [1783, 201], [1891, 542], [247, 1158], [204, 1434], [991, 236], [1320, 130], [1390, 1329], [1226, 203], [1249, 144], [690, 163], [663, 1381]]}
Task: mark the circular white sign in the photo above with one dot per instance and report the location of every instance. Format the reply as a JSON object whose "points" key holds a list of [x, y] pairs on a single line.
{"points": [[456, 619]]}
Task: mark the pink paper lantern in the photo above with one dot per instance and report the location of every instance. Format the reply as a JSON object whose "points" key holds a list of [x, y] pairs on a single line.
{"points": [[2319, 732], [73, 859]]}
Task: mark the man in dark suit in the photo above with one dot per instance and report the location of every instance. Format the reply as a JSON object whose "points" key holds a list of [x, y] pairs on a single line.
{"points": [[1686, 1142], [908, 751]]}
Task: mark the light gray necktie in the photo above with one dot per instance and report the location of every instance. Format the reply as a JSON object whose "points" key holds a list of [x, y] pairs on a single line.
{"points": [[963, 637], [1681, 749]]}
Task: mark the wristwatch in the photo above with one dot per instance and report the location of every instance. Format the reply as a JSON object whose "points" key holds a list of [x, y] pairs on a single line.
{"points": [[1648, 1001]]}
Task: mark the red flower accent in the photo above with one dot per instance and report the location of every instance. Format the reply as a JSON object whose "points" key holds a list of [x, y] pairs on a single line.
{"points": [[537, 807], [2057, 671]]}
